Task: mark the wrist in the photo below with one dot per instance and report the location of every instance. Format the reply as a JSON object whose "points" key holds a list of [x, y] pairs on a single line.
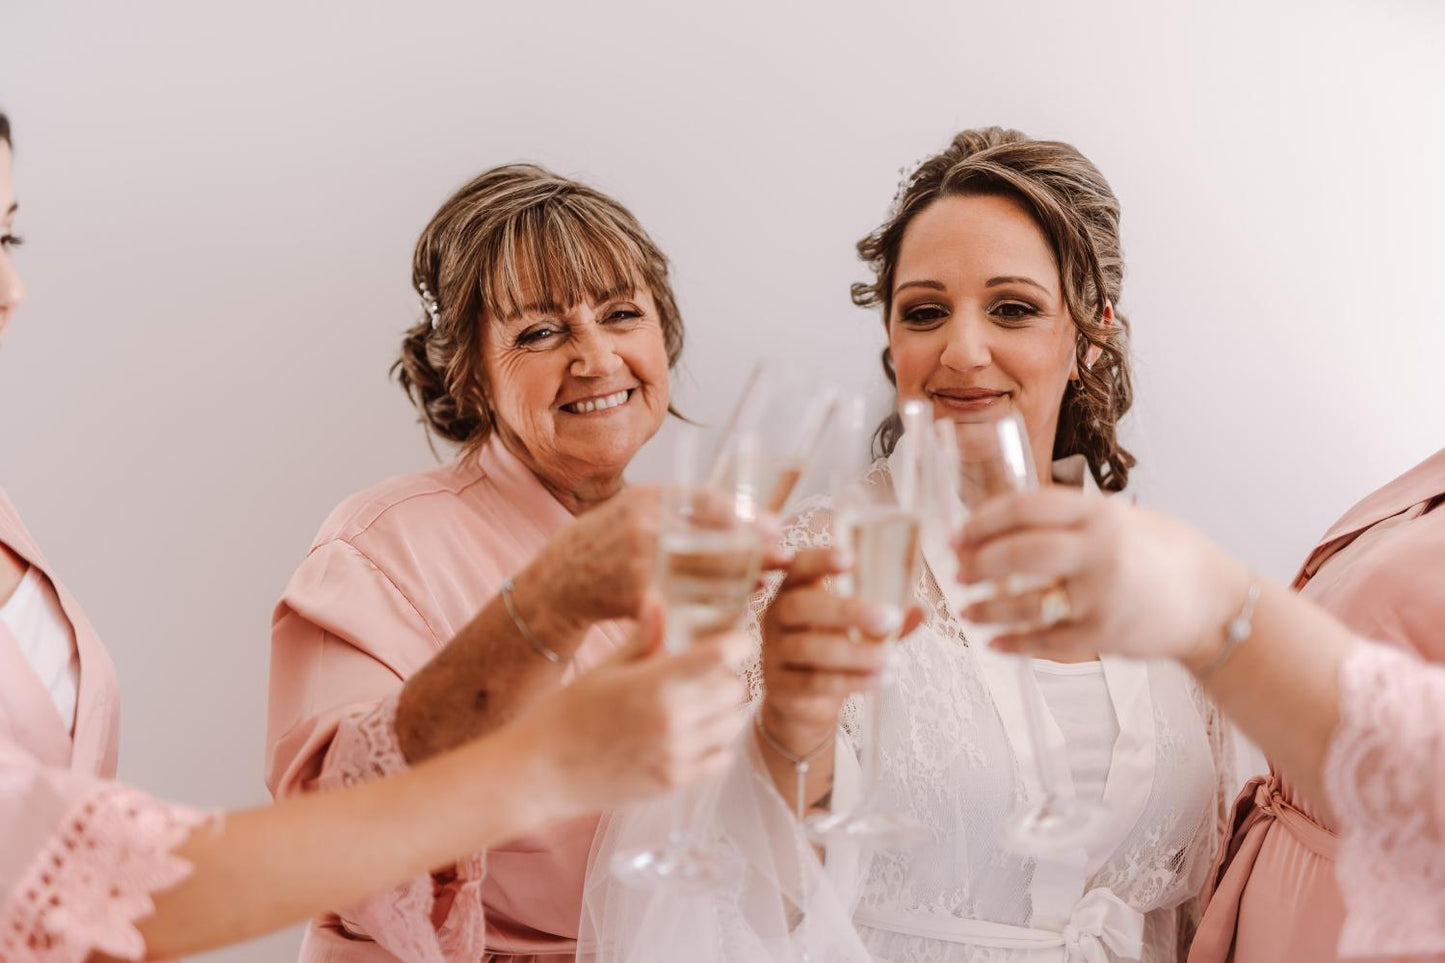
{"points": [[1229, 593], [525, 752], [544, 603]]}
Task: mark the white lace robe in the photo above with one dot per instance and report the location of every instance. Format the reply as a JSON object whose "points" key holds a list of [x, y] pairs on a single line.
{"points": [[955, 757]]}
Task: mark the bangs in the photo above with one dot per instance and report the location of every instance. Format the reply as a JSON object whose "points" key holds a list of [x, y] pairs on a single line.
{"points": [[553, 255]]}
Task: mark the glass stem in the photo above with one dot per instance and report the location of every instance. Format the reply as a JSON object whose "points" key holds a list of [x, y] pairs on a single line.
{"points": [[1035, 722], [871, 736], [677, 819]]}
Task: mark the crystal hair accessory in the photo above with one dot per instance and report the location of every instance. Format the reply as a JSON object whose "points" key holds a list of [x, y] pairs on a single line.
{"points": [[429, 301]]}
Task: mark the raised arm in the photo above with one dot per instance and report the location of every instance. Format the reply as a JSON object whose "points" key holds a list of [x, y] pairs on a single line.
{"points": [[106, 857]]}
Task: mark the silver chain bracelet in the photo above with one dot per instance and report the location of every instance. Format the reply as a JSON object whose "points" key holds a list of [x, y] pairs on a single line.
{"points": [[1236, 631], [522, 630]]}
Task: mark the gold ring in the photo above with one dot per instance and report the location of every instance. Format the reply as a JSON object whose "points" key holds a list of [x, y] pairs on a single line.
{"points": [[1054, 606]]}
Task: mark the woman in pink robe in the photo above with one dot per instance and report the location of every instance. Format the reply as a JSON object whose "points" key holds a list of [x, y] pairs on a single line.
{"points": [[543, 349], [94, 870], [1381, 571], [1340, 851]]}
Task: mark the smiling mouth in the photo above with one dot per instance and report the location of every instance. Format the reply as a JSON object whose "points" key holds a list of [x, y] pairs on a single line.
{"points": [[970, 397], [604, 403]]}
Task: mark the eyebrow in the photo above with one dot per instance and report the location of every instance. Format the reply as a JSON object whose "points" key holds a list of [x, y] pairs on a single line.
{"points": [[930, 285], [1016, 279], [13, 208], [552, 307]]}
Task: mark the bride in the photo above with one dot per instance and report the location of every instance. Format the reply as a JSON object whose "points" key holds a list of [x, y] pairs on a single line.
{"points": [[997, 275]]}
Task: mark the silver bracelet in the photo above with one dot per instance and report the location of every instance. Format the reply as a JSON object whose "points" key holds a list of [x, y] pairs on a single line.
{"points": [[1236, 631], [522, 629], [800, 763]]}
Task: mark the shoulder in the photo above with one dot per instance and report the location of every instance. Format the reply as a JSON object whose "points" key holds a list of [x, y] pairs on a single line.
{"points": [[400, 502], [14, 533]]}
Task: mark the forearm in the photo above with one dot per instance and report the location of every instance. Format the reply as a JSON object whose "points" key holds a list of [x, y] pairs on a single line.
{"points": [[1281, 686], [267, 868], [487, 672]]}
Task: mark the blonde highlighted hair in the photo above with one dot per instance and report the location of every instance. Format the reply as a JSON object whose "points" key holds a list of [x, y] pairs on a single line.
{"points": [[515, 232], [1079, 216]]}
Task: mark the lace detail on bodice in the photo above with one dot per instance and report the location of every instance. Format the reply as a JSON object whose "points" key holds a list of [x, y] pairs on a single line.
{"points": [[1383, 776], [95, 878], [947, 762], [811, 526], [403, 920]]}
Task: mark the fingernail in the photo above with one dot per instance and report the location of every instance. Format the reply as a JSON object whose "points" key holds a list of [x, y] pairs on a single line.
{"points": [[879, 619]]}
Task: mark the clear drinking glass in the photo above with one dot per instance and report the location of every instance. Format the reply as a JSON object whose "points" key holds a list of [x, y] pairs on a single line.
{"points": [[971, 463], [788, 416], [709, 551], [877, 523]]}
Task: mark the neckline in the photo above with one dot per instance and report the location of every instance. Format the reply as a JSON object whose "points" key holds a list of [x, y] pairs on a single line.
{"points": [[22, 587], [1050, 667]]}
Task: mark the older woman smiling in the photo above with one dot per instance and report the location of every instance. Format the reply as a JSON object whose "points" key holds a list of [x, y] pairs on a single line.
{"points": [[543, 353]]}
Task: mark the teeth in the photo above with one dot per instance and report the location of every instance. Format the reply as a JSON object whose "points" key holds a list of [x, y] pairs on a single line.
{"points": [[598, 404]]}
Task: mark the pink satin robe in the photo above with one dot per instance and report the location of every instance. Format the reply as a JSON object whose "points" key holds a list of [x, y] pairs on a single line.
{"points": [[1381, 570], [80, 855], [394, 574]]}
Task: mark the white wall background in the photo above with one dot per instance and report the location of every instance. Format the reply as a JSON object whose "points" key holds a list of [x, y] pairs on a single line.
{"points": [[221, 202]]}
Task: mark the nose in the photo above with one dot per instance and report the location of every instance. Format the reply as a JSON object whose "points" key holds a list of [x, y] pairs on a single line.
{"points": [[967, 347], [12, 291], [595, 355]]}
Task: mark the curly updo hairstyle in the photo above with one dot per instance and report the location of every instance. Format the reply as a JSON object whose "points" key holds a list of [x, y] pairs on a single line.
{"points": [[1078, 214], [514, 229]]}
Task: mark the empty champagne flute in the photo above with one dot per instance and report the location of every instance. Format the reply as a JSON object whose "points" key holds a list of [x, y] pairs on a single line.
{"points": [[876, 523], [788, 416], [709, 552], [971, 463]]}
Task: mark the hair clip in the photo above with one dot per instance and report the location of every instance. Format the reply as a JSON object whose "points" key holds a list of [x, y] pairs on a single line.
{"points": [[430, 303]]}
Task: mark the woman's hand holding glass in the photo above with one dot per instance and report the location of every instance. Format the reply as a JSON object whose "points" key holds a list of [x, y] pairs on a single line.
{"points": [[602, 565], [1138, 583], [812, 659], [643, 723]]}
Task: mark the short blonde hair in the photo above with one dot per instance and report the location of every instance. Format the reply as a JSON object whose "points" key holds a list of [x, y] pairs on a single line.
{"points": [[512, 228]]}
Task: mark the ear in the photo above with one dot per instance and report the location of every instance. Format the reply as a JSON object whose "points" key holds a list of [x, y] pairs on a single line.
{"points": [[1092, 355]]}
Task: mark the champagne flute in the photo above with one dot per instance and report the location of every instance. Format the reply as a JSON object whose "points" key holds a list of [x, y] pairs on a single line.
{"points": [[973, 462], [788, 417], [709, 552], [877, 524]]}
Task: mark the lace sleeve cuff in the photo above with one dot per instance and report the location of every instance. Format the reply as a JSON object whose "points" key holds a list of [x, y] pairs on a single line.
{"points": [[365, 747], [1383, 778], [430, 918], [95, 877]]}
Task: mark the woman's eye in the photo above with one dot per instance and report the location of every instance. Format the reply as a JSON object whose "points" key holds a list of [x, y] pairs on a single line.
{"points": [[624, 314], [1015, 310], [11, 240], [537, 337], [924, 314]]}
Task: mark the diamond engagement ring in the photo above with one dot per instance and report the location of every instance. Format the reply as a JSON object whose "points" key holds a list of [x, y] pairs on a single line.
{"points": [[1054, 606]]}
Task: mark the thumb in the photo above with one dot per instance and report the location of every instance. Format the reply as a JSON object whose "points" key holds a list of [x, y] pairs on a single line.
{"points": [[651, 628], [911, 621]]}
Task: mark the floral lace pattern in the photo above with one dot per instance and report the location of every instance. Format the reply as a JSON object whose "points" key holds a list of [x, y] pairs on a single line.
{"points": [[1383, 778], [404, 920], [95, 878], [946, 762]]}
